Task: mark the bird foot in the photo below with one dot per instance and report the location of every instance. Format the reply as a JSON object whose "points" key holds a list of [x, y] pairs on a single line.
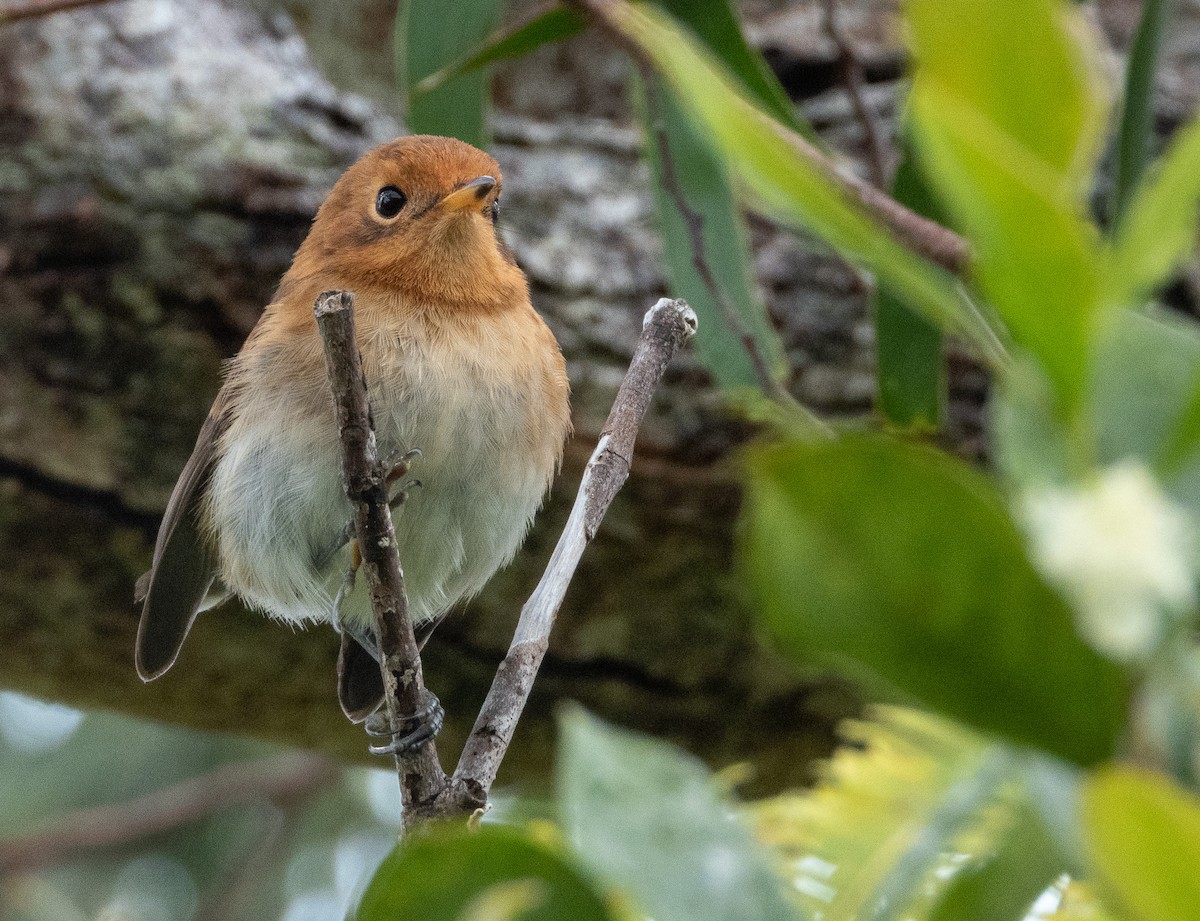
{"points": [[398, 471], [411, 731]]}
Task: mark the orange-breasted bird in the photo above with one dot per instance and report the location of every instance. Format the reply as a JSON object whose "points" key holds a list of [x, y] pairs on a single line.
{"points": [[459, 366]]}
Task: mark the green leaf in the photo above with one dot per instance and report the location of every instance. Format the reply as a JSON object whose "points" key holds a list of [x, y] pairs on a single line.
{"points": [[911, 817], [431, 35], [1146, 378], [1006, 879], [911, 382], [902, 564], [493, 874], [1136, 131], [714, 23], [649, 818], [1038, 257], [785, 183], [555, 24], [1143, 833], [998, 60], [1012, 162], [703, 182], [1158, 230]]}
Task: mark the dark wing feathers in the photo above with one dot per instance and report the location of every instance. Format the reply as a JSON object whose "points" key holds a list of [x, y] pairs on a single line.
{"points": [[183, 570]]}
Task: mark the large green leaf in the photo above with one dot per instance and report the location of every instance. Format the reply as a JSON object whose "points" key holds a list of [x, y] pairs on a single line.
{"points": [[702, 179], [900, 563], [781, 180], [431, 35], [493, 874], [999, 60], [911, 382], [1158, 229], [1143, 834], [1012, 162], [650, 819]]}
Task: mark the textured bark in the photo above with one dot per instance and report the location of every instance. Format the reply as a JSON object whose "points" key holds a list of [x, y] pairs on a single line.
{"points": [[161, 161]]}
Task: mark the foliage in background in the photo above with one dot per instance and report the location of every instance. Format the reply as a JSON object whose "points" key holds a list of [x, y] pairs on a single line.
{"points": [[1046, 611]]}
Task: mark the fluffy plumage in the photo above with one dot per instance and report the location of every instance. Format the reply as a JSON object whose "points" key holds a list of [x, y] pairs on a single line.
{"points": [[459, 365]]}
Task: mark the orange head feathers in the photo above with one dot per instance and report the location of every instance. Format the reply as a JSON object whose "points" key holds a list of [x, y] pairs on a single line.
{"points": [[416, 217]]}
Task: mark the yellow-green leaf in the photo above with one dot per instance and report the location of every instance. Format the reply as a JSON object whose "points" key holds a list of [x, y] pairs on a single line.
{"points": [[1143, 835]]}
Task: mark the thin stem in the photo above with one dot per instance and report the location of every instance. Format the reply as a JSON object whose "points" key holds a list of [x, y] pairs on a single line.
{"points": [[852, 77], [279, 779], [28, 9]]}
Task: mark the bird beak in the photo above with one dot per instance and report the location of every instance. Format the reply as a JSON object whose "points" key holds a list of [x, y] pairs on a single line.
{"points": [[470, 195]]}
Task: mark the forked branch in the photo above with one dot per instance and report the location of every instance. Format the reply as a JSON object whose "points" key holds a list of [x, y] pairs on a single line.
{"points": [[426, 791]]}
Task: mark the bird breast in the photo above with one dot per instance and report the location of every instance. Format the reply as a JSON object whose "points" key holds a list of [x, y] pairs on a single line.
{"points": [[483, 398]]}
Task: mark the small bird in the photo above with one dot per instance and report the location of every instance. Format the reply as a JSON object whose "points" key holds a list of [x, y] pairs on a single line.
{"points": [[459, 366]]}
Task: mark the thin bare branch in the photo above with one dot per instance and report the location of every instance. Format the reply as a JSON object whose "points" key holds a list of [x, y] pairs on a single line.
{"points": [[666, 327], [421, 776], [28, 9], [280, 780], [852, 78]]}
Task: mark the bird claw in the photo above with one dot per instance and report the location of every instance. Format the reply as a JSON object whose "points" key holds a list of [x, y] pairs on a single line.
{"points": [[398, 470], [398, 466], [412, 731]]}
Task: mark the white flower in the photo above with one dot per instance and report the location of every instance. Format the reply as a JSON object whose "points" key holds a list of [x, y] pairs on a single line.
{"points": [[1121, 552]]}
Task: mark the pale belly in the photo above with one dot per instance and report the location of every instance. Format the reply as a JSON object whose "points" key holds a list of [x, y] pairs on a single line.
{"points": [[275, 505]]}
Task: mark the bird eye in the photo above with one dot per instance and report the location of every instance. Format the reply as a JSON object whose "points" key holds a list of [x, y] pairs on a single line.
{"points": [[495, 211], [389, 201]]}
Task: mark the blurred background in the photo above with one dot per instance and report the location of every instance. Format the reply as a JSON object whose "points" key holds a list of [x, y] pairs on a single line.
{"points": [[159, 163]]}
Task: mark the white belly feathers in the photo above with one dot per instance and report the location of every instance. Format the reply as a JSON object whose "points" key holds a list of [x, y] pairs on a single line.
{"points": [[275, 503]]}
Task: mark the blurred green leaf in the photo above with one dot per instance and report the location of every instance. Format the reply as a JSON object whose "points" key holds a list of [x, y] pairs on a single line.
{"points": [[999, 59], [649, 818], [555, 24], [901, 563], [906, 805], [715, 24], [703, 181], [429, 36], [782, 181], [1136, 130], [1012, 162], [1146, 377], [1143, 834], [493, 874], [1158, 229], [1005, 879], [909, 346]]}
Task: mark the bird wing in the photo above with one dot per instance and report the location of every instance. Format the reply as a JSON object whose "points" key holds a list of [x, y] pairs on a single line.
{"points": [[183, 570]]}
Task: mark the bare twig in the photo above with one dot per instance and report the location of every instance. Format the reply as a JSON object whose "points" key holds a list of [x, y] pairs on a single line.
{"points": [[666, 327], [27, 9], [852, 77], [421, 777], [279, 779], [923, 236]]}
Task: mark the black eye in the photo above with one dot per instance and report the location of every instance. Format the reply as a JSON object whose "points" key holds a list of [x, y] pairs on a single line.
{"points": [[389, 201], [495, 211]]}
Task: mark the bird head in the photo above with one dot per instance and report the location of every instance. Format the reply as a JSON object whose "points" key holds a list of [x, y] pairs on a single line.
{"points": [[416, 217]]}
